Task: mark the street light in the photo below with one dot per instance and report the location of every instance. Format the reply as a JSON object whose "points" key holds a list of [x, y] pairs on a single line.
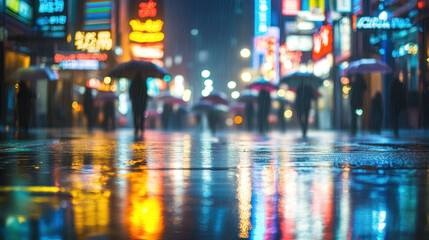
{"points": [[245, 53], [205, 73], [232, 85], [246, 76]]}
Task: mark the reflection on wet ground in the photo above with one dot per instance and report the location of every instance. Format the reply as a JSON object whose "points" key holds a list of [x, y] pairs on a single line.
{"points": [[196, 186]]}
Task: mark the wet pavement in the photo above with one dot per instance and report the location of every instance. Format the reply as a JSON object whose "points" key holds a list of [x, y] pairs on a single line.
{"points": [[192, 185]]}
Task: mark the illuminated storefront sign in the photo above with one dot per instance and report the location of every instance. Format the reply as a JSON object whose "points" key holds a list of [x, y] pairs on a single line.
{"points": [[299, 42], [20, 10], [322, 42], [59, 57], [317, 6], [357, 7], [51, 18], [289, 60], [344, 6], [146, 22], [262, 16], [98, 15], [154, 51], [93, 41], [377, 23], [290, 7], [80, 65]]}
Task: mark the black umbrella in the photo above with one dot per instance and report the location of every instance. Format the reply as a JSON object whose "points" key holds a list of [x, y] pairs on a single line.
{"points": [[33, 73], [134, 68], [297, 79]]}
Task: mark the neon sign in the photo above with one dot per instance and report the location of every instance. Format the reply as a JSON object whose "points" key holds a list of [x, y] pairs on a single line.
{"points": [[376, 23], [80, 56], [147, 9], [262, 16], [148, 26], [80, 65], [20, 10], [146, 37], [290, 7], [92, 41], [98, 15], [51, 18], [322, 42], [154, 51]]}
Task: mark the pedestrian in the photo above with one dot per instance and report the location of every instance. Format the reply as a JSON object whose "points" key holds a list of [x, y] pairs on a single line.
{"points": [[264, 108], [167, 113], [109, 115], [25, 98], [425, 108], [304, 95], [280, 116], [212, 119], [398, 102], [376, 113], [358, 87], [250, 112], [138, 96], [88, 108]]}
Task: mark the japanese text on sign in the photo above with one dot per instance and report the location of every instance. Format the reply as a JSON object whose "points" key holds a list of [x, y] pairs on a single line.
{"points": [[92, 41]]}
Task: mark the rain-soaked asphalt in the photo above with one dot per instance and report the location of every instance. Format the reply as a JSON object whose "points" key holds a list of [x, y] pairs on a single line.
{"points": [[174, 185]]}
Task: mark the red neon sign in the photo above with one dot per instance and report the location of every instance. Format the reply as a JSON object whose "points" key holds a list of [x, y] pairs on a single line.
{"points": [[290, 7], [147, 9], [80, 56], [322, 42]]}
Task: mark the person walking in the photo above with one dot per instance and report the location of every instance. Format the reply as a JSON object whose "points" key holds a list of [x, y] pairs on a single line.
{"points": [[138, 96], [88, 108], [281, 117], [376, 117], [109, 115], [25, 99], [398, 102], [250, 112], [304, 95], [358, 87], [264, 108]]}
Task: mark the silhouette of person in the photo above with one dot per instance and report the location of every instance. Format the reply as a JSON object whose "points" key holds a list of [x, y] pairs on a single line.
{"points": [[109, 115], [376, 117], [304, 95], [425, 108], [358, 87], [88, 108], [264, 108], [25, 99], [167, 111], [280, 116], [212, 119], [250, 112], [138, 96], [398, 102]]}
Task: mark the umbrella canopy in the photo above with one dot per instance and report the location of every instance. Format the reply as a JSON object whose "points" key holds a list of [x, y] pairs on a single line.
{"points": [[297, 79], [216, 98], [106, 96], [202, 106], [248, 96], [262, 84], [366, 65], [134, 68], [169, 99], [33, 73]]}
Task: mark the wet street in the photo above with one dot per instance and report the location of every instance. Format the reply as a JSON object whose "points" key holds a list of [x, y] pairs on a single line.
{"points": [[192, 185]]}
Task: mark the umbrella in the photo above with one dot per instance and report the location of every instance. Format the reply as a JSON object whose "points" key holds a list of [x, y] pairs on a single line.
{"points": [[262, 84], [366, 65], [33, 73], [248, 96], [133, 68], [297, 79], [216, 98], [170, 99], [202, 106], [106, 96]]}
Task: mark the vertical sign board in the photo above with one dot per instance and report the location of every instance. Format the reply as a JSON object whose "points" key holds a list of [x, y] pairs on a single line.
{"points": [[357, 7], [147, 34], [262, 16], [290, 7], [344, 6], [51, 20], [322, 42]]}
